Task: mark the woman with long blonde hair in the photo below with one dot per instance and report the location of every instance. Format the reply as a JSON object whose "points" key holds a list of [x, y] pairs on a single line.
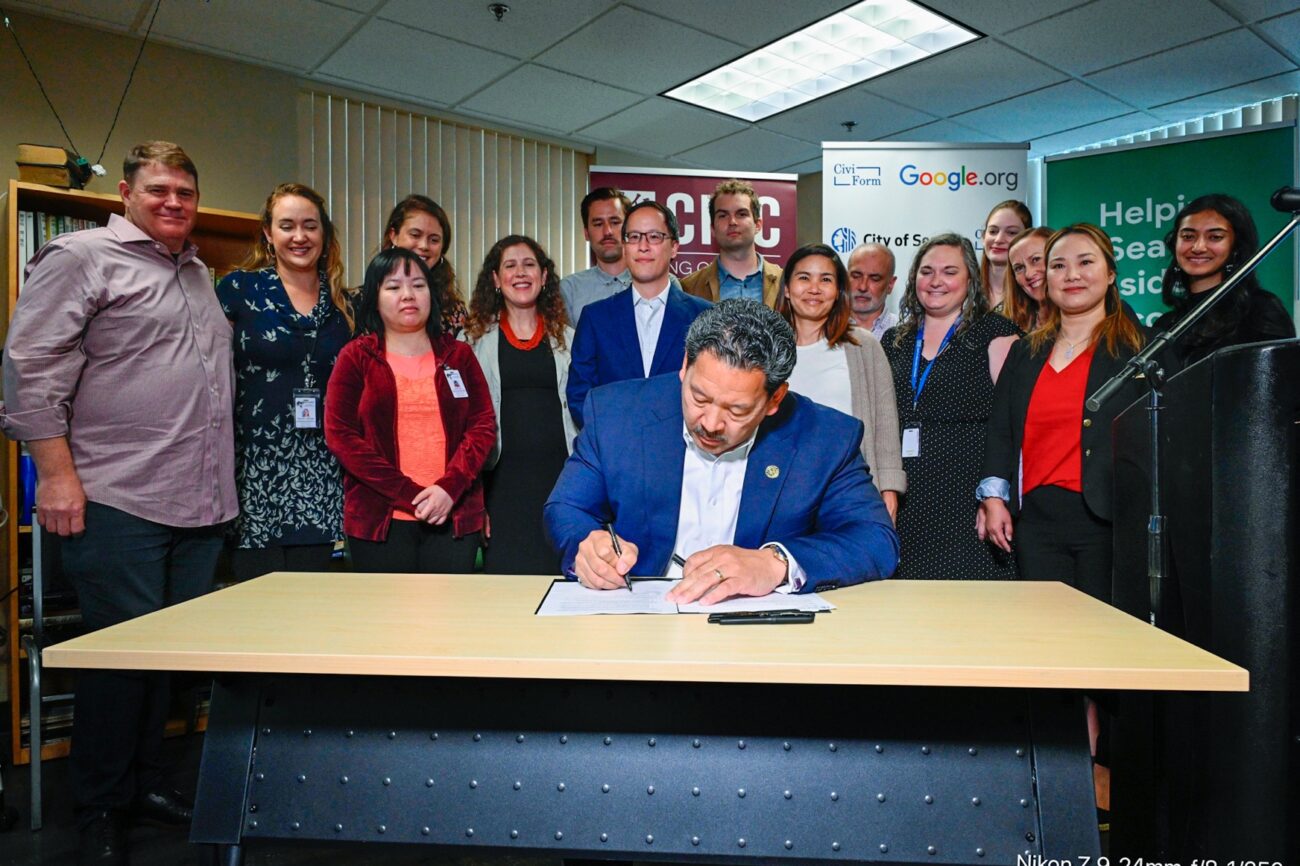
{"points": [[290, 315]]}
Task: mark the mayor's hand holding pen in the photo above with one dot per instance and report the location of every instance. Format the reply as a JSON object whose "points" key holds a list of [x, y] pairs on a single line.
{"points": [[725, 571], [598, 566]]}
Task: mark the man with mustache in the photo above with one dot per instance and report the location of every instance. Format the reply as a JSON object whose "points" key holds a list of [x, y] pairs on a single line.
{"points": [[721, 476], [603, 211], [739, 271], [871, 279]]}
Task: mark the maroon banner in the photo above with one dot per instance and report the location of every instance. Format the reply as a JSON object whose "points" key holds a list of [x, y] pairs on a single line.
{"points": [[687, 194]]}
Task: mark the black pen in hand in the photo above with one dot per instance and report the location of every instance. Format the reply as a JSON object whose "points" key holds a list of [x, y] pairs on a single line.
{"points": [[618, 551]]}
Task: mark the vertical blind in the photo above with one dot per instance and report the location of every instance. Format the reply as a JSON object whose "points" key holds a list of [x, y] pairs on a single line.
{"points": [[364, 158]]}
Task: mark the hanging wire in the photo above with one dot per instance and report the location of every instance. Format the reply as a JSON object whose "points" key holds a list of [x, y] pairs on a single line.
{"points": [[130, 76], [10, 27]]}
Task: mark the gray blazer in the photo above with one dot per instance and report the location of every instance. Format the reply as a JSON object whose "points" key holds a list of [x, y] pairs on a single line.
{"points": [[485, 349], [871, 394]]}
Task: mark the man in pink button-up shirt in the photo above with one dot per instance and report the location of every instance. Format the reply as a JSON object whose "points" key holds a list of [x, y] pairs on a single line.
{"points": [[118, 377]]}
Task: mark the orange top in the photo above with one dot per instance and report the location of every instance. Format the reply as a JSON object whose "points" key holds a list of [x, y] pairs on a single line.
{"points": [[421, 440]]}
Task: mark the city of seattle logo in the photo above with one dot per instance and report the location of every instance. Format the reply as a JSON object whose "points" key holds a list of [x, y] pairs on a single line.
{"points": [[843, 240]]}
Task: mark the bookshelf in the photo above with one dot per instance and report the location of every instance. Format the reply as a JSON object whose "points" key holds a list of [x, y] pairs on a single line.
{"points": [[223, 238]]}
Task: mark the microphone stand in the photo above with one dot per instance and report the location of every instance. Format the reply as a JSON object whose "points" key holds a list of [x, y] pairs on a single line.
{"points": [[1145, 363]]}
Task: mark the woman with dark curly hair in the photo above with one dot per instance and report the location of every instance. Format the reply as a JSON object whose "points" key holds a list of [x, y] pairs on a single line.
{"points": [[520, 333], [419, 224], [1213, 235]]}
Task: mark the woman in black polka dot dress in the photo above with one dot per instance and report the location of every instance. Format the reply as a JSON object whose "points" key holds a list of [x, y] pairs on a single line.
{"points": [[944, 388]]}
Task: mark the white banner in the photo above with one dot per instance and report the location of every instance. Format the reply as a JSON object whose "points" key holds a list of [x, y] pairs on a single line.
{"points": [[902, 193]]}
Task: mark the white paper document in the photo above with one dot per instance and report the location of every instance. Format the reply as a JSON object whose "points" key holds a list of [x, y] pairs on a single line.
{"points": [[570, 598]]}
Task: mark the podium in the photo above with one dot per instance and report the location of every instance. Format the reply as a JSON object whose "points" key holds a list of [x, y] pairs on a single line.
{"points": [[1206, 776]]}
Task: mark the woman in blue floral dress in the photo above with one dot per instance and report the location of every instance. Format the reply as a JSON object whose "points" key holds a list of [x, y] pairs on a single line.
{"points": [[291, 316]]}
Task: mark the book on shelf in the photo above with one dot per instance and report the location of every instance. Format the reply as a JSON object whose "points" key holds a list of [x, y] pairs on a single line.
{"points": [[35, 229], [51, 165]]}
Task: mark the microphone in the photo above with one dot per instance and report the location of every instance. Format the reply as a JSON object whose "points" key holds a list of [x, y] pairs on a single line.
{"points": [[1286, 199]]}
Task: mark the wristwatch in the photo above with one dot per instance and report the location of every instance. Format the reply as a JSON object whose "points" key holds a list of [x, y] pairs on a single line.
{"points": [[785, 560]]}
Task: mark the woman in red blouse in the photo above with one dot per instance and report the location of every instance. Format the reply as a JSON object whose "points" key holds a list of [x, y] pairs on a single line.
{"points": [[1046, 456], [409, 416]]}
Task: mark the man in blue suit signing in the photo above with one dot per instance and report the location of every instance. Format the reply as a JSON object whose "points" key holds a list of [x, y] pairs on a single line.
{"points": [[720, 476], [641, 330]]}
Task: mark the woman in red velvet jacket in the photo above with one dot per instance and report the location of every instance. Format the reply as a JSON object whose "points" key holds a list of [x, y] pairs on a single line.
{"points": [[409, 416]]}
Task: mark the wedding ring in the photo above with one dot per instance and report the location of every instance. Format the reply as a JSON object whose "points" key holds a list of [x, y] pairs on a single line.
{"points": [[720, 575]]}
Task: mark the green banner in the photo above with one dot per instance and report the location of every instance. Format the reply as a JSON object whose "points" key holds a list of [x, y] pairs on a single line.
{"points": [[1133, 194]]}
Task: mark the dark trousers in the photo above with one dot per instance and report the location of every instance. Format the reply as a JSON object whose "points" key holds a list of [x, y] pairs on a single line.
{"points": [[416, 547], [247, 563], [122, 567], [1058, 538]]}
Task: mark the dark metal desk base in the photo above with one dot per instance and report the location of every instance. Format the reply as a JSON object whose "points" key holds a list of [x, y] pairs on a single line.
{"points": [[649, 771]]}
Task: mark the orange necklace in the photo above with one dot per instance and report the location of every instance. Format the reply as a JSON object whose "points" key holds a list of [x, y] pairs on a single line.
{"points": [[524, 345]]}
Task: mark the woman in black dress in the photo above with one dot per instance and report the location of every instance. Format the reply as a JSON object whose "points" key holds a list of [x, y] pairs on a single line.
{"points": [[1212, 236], [945, 355], [521, 336]]}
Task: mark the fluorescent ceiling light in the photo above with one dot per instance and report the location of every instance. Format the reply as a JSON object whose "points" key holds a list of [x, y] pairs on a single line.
{"points": [[865, 40]]}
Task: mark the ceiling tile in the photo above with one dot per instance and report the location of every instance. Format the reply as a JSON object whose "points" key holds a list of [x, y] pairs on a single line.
{"points": [[1256, 10], [822, 120], [1001, 17], [1284, 30], [357, 5], [1228, 98], [1110, 32], [310, 28], [749, 22], [662, 126], [812, 166], [1116, 127], [563, 102], [432, 69], [752, 150], [966, 77], [942, 130], [690, 52], [1185, 72], [529, 28], [1054, 109], [113, 14]]}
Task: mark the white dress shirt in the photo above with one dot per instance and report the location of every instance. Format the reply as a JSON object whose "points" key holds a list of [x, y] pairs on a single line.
{"points": [[649, 322], [710, 506]]}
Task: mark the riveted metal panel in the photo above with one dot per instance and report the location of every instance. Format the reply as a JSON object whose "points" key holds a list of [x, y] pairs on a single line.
{"points": [[656, 771]]}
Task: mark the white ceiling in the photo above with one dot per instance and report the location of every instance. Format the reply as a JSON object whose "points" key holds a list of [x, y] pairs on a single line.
{"points": [[1058, 73]]}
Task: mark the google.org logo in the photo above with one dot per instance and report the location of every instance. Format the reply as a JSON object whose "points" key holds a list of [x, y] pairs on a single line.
{"points": [[955, 179]]}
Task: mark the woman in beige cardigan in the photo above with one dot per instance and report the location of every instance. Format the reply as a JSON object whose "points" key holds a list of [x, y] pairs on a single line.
{"points": [[841, 366], [519, 330]]}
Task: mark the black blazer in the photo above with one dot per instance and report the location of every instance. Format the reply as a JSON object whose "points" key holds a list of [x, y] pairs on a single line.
{"points": [[1006, 424]]}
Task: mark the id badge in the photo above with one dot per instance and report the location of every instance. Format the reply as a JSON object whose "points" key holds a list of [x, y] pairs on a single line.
{"points": [[457, 384], [911, 441], [306, 408]]}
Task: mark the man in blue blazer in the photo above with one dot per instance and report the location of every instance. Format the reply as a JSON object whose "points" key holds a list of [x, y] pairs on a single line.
{"points": [[640, 331], [720, 476]]}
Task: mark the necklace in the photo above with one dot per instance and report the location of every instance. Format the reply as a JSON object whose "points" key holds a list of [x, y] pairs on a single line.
{"points": [[1070, 347], [523, 345]]}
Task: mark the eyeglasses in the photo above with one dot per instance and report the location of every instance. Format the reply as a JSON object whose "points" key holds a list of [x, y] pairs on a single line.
{"points": [[654, 239]]}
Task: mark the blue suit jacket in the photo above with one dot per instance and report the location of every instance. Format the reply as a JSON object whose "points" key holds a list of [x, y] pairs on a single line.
{"points": [[821, 504], [606, 348]]}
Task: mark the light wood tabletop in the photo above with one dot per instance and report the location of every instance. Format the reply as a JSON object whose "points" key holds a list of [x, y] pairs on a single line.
{"points": [[922, 633]]}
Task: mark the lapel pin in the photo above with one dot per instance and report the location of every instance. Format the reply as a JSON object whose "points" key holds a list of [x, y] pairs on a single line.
{"points": [[772, 471]]}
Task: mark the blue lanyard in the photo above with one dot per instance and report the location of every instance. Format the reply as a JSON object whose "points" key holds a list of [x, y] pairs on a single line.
{"points": [[918, 385]]}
